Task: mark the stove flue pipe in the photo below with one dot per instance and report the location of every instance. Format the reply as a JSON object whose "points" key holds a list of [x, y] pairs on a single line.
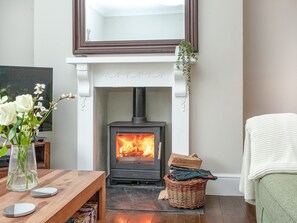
{"points": [[139, 105]]}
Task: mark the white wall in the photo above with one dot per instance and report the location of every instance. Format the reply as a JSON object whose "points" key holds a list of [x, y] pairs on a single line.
{"points": [[52, 44], [215, 102], [270, 57], [16, 32]]}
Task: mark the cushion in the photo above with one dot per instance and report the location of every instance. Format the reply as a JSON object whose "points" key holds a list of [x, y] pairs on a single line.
{"points": [[276, 198]]}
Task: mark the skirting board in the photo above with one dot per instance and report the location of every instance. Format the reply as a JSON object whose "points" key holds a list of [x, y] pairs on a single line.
{"points": [[225, 185]]}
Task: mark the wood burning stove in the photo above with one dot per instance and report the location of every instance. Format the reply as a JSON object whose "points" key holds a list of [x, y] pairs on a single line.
{"points": [[137, 148], [137, 151]]}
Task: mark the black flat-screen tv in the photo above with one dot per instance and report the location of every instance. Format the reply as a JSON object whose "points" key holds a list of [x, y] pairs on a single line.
{"points": [[15, 80]]}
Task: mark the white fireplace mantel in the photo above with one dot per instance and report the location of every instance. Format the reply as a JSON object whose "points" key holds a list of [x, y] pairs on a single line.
{"points": [[88, 80], [83, 76]]}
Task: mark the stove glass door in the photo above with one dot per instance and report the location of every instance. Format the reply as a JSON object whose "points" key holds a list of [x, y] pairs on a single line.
{"points": [[135, 147]]}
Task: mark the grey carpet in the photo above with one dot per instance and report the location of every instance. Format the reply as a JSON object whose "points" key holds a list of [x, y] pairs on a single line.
{"points": [[134, 198]]}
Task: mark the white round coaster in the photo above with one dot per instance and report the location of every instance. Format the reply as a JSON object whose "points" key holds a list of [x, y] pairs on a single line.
{"points": [[44, 192], [18, 210]]}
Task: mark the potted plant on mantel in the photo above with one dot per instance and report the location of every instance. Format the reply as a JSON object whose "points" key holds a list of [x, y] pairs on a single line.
{"points": [[184, 56]]}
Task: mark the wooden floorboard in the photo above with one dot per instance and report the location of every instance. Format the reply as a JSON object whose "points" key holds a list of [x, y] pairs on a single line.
{"points": [[218, 209]]}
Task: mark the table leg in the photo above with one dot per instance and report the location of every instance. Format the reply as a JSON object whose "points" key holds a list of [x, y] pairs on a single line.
{"points": [[102, 201]]}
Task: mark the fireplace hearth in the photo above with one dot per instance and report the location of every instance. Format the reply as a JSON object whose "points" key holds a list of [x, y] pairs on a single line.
{"points": [[137, 148]]}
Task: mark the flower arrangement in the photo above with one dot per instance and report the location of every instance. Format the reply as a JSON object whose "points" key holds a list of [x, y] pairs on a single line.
{"points": [[21, 119], [19, 124]]}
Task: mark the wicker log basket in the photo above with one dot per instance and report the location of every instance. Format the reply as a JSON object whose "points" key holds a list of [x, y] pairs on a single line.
{"points": [[188, 194]]}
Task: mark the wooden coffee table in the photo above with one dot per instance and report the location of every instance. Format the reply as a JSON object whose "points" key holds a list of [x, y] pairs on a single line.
{"points": [[75, 188]]}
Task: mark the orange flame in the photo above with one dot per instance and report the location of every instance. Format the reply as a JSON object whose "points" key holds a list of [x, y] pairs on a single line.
{"points": [[135, 145]]}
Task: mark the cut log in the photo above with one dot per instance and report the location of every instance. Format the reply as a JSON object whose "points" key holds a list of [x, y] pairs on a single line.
{"points": [[191, 162]]}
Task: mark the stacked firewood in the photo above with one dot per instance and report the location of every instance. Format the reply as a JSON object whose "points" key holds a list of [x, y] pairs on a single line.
{"points": [[187, 167], [191, 162]]}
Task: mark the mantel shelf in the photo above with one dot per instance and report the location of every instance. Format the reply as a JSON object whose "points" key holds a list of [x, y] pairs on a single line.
{"points": [[122, 59]]}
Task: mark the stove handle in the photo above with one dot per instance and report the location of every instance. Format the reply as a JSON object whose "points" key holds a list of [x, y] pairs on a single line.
{"points": [[159, 152]]}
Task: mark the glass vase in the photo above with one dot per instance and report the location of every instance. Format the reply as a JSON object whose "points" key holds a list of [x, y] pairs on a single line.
{"points": [[22, 170]]}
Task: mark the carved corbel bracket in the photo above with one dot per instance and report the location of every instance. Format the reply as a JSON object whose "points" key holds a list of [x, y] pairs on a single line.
{"points": [[83, 78], [180, 83], [179, 79]]}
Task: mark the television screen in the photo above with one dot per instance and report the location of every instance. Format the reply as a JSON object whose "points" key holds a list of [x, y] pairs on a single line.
{"points": [[21, 80]]}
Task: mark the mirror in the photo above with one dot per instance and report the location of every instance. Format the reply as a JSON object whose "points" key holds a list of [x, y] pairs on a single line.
{"points": [[116, 20], [133, 26]]}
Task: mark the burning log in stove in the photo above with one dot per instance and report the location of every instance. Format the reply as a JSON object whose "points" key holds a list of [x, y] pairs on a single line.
{"points": [[135, 145]]}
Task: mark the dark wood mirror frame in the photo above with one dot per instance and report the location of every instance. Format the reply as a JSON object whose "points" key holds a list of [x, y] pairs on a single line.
{"points": [[81, 46]]}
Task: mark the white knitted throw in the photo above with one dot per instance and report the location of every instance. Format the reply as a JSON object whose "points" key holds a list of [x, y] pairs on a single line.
{"points": [[270, 147]]}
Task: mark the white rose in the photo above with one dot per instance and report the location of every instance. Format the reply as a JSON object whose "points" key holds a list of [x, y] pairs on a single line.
{"points": [[7, 114], [24, 103], [3, 99]]}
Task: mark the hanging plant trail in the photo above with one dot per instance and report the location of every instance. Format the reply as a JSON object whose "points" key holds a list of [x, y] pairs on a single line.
{"points": [[184, 57]]}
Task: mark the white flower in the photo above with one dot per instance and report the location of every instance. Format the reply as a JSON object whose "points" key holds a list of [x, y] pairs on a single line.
{"points": [[70, 96], [39, 88], [62, 96], [7, 114], [43, 109], [22, 115], [3, 99], [67, 96], [38, 91], [38, 106], [38, 115], [24, 103]]}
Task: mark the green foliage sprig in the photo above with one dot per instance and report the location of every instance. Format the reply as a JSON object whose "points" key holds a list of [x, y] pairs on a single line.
{"points": [[184, 57]]}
